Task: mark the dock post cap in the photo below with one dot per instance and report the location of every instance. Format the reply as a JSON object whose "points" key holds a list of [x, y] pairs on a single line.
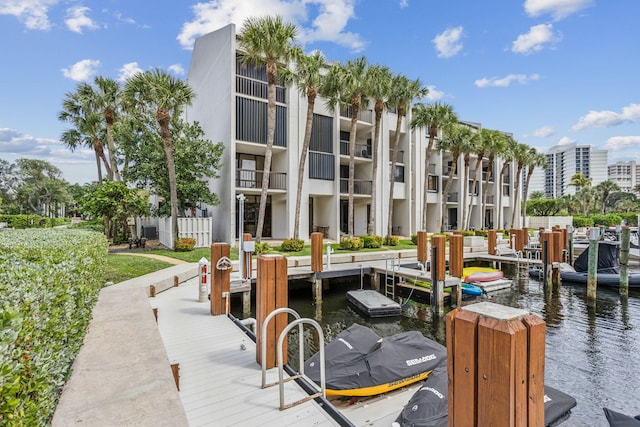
{"points": [[496, 311]]}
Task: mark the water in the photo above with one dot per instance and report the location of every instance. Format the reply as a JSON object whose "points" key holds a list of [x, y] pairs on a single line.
{"points": [[592, 354]]}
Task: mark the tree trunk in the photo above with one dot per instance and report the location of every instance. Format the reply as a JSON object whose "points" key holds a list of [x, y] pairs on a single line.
{"points": [[99, 166], [524, 197], [485, 187], [516, 192], [111, 145], [311, 97], [466, 208], [432, 134], [467, 223], [392, 174], [374, 172], [355, 105], [268, 154]]}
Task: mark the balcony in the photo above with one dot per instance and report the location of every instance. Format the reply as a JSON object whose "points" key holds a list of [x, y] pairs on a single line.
{"points": [[363, 115], [361, 150], [432, 169], [360, 186], [258, 89], [399, 156], [491, 199], [248, 178], [452, 198]]}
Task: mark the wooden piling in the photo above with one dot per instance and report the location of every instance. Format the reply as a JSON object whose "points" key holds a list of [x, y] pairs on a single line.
{"points": [[439, 242], [492, 242], [495, 360], [438, 248], [547, 256], [220, 278], [423, 245], [316, 252], [456, 255], [625, 240], [175, 370], [246, 260], [271, 294], [592, 269]]}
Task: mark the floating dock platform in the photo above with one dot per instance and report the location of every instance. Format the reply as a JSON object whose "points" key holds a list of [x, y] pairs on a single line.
{"points": [[373, 303]]}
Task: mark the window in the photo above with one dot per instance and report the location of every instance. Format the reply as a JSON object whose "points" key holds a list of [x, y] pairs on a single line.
{"points": [[251, 122]]}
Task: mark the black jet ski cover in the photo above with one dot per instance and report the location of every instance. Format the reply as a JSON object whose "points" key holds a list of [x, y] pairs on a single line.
{"points": [[358, 358], [616, 419], [557, 406], [607, 259], [428, 406]]}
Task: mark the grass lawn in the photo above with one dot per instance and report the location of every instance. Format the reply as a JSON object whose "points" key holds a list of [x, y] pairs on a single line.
{"points": [[125, 267]]}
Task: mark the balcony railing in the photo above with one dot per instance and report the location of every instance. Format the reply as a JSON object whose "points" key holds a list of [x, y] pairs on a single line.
{"points": [[452, 198], [491, 199], [248, 178], [446, 170], [258, 89], [363, 115], [360, 186], [362, 150]]}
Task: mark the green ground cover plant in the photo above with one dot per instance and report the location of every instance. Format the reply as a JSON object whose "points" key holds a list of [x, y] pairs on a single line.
{"points": [[124, 267], [49, 283]]}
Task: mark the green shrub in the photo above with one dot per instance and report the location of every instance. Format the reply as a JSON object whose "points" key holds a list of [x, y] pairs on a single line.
{"points": [[49, 282], [468, 233], [483, 233], [262, 248], [391, 240], [186, 244], [351, 244], [292, 245], [93, 225], [372, 241], [630, 218], [446, 236], [607, 219], [582, 221], [414, 238]]}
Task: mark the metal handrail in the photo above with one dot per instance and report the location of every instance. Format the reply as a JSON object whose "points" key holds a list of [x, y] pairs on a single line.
{"points": [[263, 342], [281, 381]]}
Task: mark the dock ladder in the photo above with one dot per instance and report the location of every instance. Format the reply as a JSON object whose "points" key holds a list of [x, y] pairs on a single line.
{"points": [[281, 380], [390, 278]]}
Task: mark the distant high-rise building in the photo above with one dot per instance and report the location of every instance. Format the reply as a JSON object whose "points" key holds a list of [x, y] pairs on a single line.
{"points": [[566, 161], [625, 174]]}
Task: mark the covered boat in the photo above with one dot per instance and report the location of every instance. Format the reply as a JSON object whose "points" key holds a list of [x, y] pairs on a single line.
{"points": [[616, 419], [358, 362], [608, 273], [428, 407]]}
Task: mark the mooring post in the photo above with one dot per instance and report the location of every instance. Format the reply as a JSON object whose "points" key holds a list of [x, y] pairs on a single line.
{"points": [[456, 256], [592, 271], [570, 244], [438, 245], [422, 248], [271, 294], [625, 239], [491, 242], [220, 277], [246, 265], [558, 243], [316, 252], [547, 257], [495, 365]]}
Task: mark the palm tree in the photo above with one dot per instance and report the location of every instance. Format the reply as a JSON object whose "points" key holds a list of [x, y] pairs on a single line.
{"points": [[308, 76], [403, 92], [455, 138], [470, 147], [267, 42], [378, 81], [482, 138], [107, 99], [521, 156], [508, 156], [161, 94], [433, 117], [606, 188], [536, 160], [78, 109], [580, 181], [346, 86], [496, 143]]}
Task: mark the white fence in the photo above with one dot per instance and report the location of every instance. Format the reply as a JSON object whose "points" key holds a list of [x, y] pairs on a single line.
{"points": [[535, 222], [196, 228]]}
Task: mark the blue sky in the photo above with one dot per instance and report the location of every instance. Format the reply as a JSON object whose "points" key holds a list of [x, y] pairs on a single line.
{"points": [[549, 71]]}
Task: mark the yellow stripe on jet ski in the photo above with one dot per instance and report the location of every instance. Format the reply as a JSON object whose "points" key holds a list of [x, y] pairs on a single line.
{"points": [[379, 389]]}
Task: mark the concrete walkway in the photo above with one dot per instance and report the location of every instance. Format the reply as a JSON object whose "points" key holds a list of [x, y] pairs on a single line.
{"points": [[122, 376]]}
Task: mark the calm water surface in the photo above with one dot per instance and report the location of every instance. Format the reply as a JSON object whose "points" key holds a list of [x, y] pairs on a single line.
{"points": [[592, 354]]}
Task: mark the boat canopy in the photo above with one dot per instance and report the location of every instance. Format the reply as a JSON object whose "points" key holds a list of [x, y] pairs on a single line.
{"points": [[607, 258]]}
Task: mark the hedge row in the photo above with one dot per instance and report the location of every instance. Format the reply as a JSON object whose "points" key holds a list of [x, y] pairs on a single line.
{"points": [[49, 283], [32, 221]]}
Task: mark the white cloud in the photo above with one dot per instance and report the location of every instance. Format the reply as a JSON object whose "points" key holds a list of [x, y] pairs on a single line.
{"points": [[33, 13], [434, 94], [559, 9], [603, 119], [505, 81], [77, 19], [566, 141], [404, 3], [618, 143], [544, 132], [120, 17], [82, 71], [19, 144], [328, 25], [176, 69], [128, 70], [448, 42], [535, 39]]}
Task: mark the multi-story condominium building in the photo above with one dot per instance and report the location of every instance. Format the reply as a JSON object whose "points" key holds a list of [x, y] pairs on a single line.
{"points": [[626, 175], [231, 106], [564, 162]]}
